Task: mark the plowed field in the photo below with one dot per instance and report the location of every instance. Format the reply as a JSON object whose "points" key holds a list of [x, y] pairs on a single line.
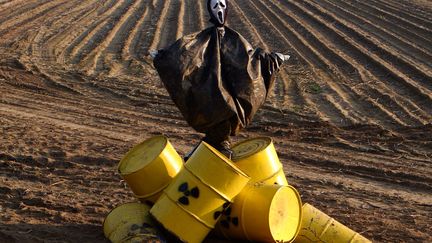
{"points": [[351, 114]]}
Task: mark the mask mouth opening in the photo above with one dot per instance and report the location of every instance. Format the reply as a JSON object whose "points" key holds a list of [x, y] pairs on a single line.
{"points": [[220, 16]]}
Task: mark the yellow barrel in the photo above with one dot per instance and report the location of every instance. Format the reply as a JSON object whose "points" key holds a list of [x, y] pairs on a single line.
{"points": [[149, 167], [319, 227], [129, 221], [190, 206], [263, 213], [278, 178], [257, 157]]}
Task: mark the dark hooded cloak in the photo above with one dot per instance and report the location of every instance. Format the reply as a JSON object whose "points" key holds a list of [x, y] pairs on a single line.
{"points": [[216, 76]]}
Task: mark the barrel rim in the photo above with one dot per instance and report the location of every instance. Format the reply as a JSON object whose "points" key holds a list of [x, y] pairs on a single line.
{"points": [[269, 139], [300, 205], [153, 193], [137, 147], [281, 169], [118, 207], [222, 195], [227, 161], [188, 212]]}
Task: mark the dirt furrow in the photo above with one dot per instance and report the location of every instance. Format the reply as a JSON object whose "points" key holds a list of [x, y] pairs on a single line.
{"points": [[385, 115], [402, 44], [292, 94], [63, 25], [147, 30], [345, 36], [72, 42], [48, 199], [298, 169], [181, 21], [97, 35], [413, 17], [46, 98], [345, 109], [132, 44], [367, 153], [391, 27], [414, 27], [6, 3], [169, 26], [167, 119], [100, 127], [76, 33], [18, 10], [337, 64], [358, 54], [416, 10], [159, 21], [340, 98], [378, 171], [133, 92], [324, 50], [62, 43], [407, 144], [110, 49], [203, 18], [270, 38], [55, 154], [191, 19], [28, 21], [106, 7], [412, 68], [42, 46], [415, 57], [122, 119], [67, 123]]}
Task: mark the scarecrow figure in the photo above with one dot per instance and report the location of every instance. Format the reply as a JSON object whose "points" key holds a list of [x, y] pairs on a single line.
{"points": [[216, 79]]}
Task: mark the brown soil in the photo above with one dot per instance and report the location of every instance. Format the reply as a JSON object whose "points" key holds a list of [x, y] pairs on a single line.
{"points": [[350, 115]]}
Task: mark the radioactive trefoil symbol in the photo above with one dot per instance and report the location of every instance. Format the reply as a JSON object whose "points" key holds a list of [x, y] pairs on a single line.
{"points": [[184, 188], [227, 219]]}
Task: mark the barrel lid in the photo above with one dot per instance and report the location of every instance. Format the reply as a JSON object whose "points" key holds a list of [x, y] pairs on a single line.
{"points": [[142, 154], [285, 214], [250, 147], [127, 211]]}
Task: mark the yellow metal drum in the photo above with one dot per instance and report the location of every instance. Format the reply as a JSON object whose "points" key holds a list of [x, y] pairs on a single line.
{"points": [[319, 227], [263, 213], [188, 189], [217, 171], [257, 157], [149, 167], [130, 220], [179, 221], [278, 178], [191, 205]]}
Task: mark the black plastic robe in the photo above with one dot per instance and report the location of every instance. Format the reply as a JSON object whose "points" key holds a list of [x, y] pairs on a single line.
{"points": [[215, 76]]}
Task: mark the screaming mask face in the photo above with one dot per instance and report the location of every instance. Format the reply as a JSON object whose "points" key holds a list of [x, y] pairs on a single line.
{"points": [[218, 11]]}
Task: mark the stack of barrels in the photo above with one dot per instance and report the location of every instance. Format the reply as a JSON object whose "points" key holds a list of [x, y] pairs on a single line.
{"points": [[247, 198]]}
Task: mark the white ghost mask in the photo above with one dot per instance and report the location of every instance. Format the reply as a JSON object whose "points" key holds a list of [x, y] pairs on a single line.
{"points": [[218, 10]]}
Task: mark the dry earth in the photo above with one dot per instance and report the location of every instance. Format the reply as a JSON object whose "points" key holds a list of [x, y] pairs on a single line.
{"points": [[350, 116]]}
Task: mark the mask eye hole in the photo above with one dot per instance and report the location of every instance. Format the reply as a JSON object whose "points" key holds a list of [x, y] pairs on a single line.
{"points": [[216, 5], [223, 5]]}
